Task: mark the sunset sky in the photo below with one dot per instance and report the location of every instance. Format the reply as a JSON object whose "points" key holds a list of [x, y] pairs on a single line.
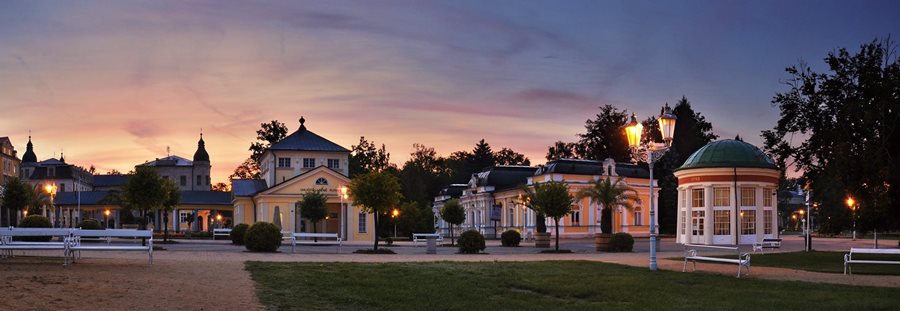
{"points": [[113, 83]]}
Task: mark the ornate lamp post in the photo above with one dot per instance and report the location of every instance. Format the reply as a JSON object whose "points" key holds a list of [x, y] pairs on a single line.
{"points": [[650, 153], [395, 214], [343, 196], [51, 190], [106, 220]]}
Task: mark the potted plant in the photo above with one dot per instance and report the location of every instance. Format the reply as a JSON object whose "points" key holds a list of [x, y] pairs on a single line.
{"points": [[542, 237], [608, 194]]}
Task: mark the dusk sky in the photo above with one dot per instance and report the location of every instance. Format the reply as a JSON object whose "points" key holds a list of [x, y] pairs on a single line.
{"points": [[113, 83]]}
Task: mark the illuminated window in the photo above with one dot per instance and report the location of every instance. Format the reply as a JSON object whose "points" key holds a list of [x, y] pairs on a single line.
{"points": [[767, 197], [684, 222], [748, 222], [697, 196], [767, 222], [721, 196], [697, 222], [748, 196], [722, 222]]}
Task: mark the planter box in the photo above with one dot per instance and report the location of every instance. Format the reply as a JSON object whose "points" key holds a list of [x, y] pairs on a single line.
{"points": [[542, 240], [601, 241]]}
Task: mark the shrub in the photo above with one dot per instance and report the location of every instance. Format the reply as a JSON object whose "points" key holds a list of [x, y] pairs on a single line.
{"points": [[621, 242], [35, 221], [263, 237], [510, 238], [471, 242], [239, 234], [90, 224]]}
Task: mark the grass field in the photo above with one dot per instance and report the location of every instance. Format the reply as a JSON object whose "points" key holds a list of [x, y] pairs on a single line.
{"points": [[830, 262], [550, 285]]}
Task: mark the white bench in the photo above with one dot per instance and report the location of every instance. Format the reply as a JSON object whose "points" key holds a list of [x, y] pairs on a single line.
{"points": [[8, 243], [315, 239], [425, 236], [691, 254], [74, 249], [226, 232], [766, 243], [848, 258]]}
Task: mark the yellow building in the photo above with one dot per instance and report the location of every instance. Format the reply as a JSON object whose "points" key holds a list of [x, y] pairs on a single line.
{"points": [[301, 162], [493, 198]]}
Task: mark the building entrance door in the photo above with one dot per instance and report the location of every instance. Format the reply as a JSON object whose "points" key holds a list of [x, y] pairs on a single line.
{"points": [[697, 227]]}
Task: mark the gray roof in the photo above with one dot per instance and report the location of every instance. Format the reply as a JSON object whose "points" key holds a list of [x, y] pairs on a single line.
{"points": [[170, 161], [110, 180], [592, 167], [247, 187], [306, 140], [505, 177], [71, 198], [205, 198]]}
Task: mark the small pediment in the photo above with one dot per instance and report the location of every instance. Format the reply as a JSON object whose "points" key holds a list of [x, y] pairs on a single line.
{"points": [[319, 178]]}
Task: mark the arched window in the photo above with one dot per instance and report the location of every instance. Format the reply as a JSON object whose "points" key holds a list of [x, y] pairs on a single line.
{"points": [[638, 216], [321, 181]]}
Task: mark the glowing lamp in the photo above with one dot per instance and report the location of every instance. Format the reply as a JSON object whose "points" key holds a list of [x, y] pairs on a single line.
{"points": [[395, 213], [633, 130], [106, 212], [851, 202], [666, 122]]}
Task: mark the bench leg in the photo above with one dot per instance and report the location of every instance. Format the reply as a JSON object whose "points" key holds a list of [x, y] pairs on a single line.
{"points": [[684, 267]]}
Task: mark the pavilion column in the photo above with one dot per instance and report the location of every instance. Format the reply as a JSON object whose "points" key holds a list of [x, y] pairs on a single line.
{"points": [[735, 216], [760, 215], [708, 224]]}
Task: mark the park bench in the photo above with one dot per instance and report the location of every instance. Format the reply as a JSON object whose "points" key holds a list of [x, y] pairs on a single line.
{"points": [[425, 236], [8, 242], [691, 253], [304, 238], [766, 243], [76, 246], [848, 258], [226, 232]]}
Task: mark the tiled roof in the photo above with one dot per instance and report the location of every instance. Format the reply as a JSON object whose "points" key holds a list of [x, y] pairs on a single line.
{"points": [[71, 198], [110, 180], [306, 140], [205, 198], [247, 187]]}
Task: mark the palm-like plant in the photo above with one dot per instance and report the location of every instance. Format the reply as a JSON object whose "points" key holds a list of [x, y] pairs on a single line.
{"points": [[609, 194], [38, 199]]}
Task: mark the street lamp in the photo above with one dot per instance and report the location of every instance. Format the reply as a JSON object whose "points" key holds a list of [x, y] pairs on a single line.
{"points": [[395, 214], [650, 153], [851, 203], [106, 216], [343, 196], [219, 219], [51, 190]]}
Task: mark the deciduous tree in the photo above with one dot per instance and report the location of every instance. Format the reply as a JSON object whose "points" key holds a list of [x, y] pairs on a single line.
{"points": [[376, 193]]}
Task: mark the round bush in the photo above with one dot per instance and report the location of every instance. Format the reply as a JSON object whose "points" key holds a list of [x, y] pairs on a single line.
{"points": [[621, 242], [510, 238], [263, 237], [471, 242], [239, 234], [90, 224], [35, 221]]}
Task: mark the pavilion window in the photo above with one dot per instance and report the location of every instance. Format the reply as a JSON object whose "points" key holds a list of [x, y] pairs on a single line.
{"points": [[767, 222], [748, 196], [722, 222], [698, 222], [697, 196], [721, 196], [748, 222], [767, 197], [683, 222]]}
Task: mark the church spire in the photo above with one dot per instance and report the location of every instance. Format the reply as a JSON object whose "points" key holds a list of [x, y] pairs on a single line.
{"points": [[201, 155], [29, 156]]}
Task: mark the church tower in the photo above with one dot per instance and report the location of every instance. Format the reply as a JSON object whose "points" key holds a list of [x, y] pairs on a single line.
{"points": [[202, 167]]}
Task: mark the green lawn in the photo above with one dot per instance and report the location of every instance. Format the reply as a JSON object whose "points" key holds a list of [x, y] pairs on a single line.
{"points": [[831, 262], [547, 285]]}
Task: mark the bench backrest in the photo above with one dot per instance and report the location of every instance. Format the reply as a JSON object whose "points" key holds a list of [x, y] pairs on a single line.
{"points": [[771, 240], [315, 235], [115, 233], [695, 246], [883, 251], [35, 232]]}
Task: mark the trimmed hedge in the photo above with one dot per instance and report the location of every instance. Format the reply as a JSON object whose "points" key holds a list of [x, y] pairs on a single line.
{"points": [[239, 234], [621, 242], [471, 242], [90, 224], [35, 221], [510, 238], [263, 237]]}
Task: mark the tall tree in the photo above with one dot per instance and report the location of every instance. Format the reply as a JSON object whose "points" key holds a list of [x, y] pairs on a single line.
{"points": [[423, 175], [15, 198], [507, 156], [367, 157], [561, 150], [454, 214], [839, 117], [551, 199], [604, 137], [376, 193], [266, 135], [145, 191], [313, 207], [482, 157]]}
